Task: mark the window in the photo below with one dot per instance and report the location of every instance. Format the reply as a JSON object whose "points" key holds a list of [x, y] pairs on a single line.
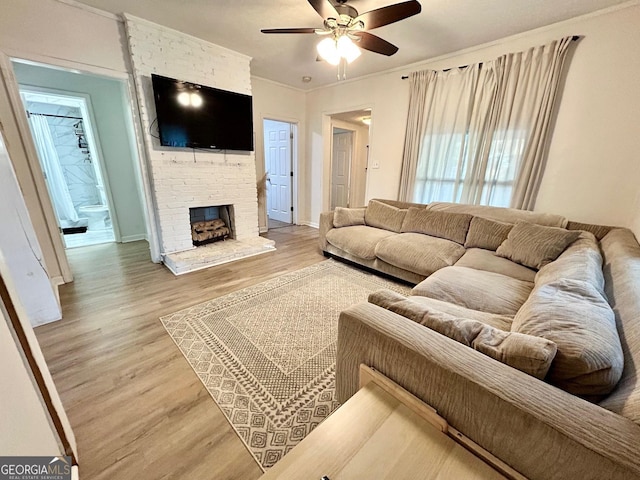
{"points": [[449, 162]]}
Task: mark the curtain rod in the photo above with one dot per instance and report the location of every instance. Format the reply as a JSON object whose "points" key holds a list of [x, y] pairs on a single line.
{"points": [[404, 77], [52, 115]]}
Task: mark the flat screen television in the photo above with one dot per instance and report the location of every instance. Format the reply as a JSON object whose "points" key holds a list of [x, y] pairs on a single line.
{"points": [[195, 116]]}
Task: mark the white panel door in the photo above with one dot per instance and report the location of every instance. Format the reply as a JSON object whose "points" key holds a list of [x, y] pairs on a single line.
{"points": [[341, 169], [277, 154]]}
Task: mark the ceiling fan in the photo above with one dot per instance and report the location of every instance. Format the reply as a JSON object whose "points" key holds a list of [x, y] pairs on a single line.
{"points": [[346, 29]]}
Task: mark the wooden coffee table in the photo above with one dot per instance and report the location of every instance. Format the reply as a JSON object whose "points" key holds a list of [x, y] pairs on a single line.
{"points": [[384, 432]]}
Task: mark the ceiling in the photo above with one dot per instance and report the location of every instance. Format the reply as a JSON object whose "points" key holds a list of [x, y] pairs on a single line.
{"points": [[443, 26]]}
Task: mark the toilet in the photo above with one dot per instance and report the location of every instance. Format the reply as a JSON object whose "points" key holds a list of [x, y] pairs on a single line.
{"points": [[97, 215]]}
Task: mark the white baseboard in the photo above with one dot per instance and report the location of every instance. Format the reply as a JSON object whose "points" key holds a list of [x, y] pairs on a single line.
{"points": [[310, 224], [264, 229], [55, 284], [133, 238]]}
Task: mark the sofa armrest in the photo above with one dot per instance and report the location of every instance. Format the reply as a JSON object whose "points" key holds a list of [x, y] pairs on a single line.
{"points": [[539, 430], [326, 224]]}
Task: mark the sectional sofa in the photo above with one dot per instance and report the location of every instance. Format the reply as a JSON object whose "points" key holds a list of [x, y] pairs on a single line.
{"points": [[522, 330]]}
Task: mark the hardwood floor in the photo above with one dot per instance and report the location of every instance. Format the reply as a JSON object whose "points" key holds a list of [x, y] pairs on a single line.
{"points": [[137, 409]]}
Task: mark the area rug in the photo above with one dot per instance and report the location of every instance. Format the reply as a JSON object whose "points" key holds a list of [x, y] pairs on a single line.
{"points": [[267, 353]]}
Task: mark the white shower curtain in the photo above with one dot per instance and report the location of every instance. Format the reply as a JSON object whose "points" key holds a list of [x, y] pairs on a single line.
{"points": [[58, 189]]}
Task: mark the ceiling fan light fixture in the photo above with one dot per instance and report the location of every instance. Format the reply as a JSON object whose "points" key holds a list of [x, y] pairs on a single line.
{"points": [[196, 100], [183, 99], [328, 51], [347, 49], [332, 50]]}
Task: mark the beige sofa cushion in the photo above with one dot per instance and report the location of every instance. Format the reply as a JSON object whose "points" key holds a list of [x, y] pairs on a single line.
{"points": [[358, 240], [501, 322], [452, 226], [476, 289], [382, 215], [574, 315], [507, 215], [489, 261], [529, 354], [582, 261], [418, 253], [487, 234], [535, 245], [622, 273], [347, 217]]}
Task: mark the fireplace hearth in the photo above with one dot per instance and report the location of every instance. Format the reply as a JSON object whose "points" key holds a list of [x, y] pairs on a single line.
{"points": [[211, 224]]}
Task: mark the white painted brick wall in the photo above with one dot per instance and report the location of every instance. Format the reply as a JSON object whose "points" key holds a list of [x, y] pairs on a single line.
{"points": [[180, 179]]}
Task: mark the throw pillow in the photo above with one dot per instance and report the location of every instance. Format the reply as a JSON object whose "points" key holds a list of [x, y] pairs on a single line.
{"points": [[529, 354], [575, 316], [487, 234], [381, 215], [347, 217], [534, 245], [452, 226]]}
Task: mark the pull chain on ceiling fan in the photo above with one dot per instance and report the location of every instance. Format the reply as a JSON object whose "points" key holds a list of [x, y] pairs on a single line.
{"points": [[346, 30]]}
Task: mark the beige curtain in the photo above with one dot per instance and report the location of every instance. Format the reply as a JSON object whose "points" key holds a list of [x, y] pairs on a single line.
{"points": [[479, 134], [530, 82], [419, 85]]}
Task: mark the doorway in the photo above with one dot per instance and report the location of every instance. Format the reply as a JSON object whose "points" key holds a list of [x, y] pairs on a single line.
{"points": [[341, 159], [279, 150], [349, 158], [71, 163], [104, 188]]}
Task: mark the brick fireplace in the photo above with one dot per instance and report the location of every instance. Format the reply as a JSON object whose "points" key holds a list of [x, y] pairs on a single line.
{"points": [[183, 178]]}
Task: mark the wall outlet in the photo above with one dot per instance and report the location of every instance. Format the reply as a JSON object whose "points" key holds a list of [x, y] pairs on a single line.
{"points": [[375, 165]]}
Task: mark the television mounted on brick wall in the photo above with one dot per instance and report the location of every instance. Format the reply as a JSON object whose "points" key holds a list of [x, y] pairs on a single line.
{"points": [[196, 116]]}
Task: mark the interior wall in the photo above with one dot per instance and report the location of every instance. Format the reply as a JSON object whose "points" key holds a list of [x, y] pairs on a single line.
{"points": [[388, 117], [115, 139], [22, 253], [592, 172], [274, 101], [49, 28], [25, 422]]}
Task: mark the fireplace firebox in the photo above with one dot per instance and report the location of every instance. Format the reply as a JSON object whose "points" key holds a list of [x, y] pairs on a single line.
{"points": [[211, 224]]}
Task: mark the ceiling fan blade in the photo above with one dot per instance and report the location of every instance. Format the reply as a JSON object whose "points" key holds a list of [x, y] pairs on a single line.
{"points": [[375, 44], [288, 30], [386, 15], [324, 8]]}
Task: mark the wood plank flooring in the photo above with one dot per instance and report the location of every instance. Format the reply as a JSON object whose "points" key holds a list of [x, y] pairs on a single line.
{"points": [[137, 409]]}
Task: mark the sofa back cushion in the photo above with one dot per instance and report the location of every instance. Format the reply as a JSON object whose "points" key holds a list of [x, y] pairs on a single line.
{"points": [[399, 203], [489, 261], [622, 274], [532, 355], [487, 234], [417, 253], [348, 217], [575, 316], [534, 245], [382, 215], [451, 226], [507, 215], [582, 261]]}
